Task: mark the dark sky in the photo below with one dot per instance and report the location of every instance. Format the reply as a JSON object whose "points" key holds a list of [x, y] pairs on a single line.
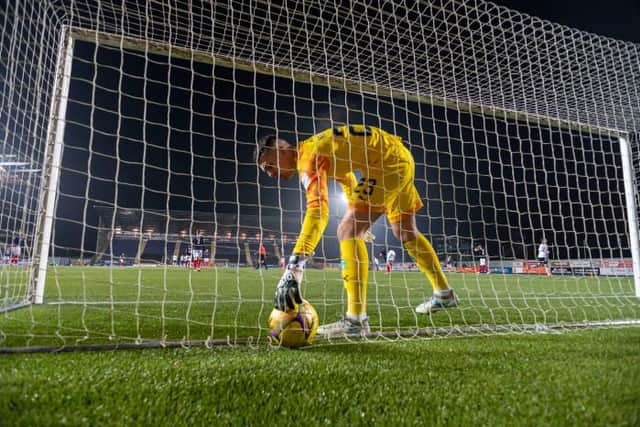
{"points": [[619, 19]]}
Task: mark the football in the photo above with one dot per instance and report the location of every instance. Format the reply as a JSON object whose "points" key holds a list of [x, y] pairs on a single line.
{"points": [[294, 329]]}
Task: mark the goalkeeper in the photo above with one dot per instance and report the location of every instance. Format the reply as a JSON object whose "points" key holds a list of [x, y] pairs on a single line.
{"points": [[386, 187]]}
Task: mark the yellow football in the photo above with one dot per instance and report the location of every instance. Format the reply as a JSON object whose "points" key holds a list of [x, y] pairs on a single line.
{"points": [[294, 328]]}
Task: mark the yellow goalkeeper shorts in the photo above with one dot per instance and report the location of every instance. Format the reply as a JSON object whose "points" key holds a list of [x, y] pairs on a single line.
{"points": [[392, 192]]}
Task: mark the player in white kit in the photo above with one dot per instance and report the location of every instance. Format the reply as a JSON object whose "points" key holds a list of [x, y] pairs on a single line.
{"points": [[543, 255], [391, 257]]}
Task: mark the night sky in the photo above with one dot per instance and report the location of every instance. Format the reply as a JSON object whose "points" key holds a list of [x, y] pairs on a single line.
{"points": [[617, 19], [169, 135]]}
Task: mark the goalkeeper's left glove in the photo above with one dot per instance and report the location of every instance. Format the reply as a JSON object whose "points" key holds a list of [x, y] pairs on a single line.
{"points": [[369, 237], [288, 289]]}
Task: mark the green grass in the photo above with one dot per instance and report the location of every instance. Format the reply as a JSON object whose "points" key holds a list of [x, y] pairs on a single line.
{"points": [[588, 377], [125, 305], [579, 378]]}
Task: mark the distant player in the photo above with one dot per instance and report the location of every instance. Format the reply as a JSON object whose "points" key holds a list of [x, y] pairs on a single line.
{"points": [[383, 257], [386, 186], [449, 263], [391, 257], [121, 260], [262, 257], [197, 248], [174, 259], [483, 267], [186, 259], [481, 253], [206, 258], [543, 255], [376, 263], [16, 251]]}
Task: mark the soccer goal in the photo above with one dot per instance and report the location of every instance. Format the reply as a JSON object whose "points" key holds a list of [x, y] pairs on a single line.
{"points": [[133, 214]]}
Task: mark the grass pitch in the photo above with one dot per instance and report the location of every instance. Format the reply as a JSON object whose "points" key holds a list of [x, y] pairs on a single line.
{"points": [[578, 378], [136, 305]]}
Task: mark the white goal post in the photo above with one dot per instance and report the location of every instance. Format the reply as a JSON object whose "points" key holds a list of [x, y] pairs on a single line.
{"points": [[53, 158], [631, 189], [521, 131]]}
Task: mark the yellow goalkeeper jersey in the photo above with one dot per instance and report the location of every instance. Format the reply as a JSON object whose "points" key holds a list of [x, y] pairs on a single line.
{"points": [[385, 167], [380, 158]]}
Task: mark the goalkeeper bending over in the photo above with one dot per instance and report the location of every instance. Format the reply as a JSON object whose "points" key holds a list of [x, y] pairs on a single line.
{"points": [[386, 187]]}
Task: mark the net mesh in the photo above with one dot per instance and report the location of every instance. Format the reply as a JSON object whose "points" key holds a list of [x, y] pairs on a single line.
{"points": [[513, 123]]}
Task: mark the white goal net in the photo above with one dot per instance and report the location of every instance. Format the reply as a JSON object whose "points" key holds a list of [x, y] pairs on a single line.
{"points": [[132, 211]]}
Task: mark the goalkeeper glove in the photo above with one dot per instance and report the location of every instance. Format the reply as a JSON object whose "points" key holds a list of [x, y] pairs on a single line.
{"points": [[288, 289], [369, 237]]}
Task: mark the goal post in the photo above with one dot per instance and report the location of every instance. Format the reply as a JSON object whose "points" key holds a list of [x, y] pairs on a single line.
{"points": [[521, 131], [631, 192], [51, 172]]}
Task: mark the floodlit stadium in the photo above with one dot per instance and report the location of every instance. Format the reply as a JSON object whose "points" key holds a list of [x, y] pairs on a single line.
{"points": [[135, 212]]}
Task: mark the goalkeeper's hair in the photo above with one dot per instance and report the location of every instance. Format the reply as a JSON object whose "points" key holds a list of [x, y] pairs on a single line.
{"points": [[265, 143]]}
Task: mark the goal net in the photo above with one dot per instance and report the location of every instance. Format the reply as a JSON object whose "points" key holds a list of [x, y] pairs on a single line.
{"points": [[132, 211]]}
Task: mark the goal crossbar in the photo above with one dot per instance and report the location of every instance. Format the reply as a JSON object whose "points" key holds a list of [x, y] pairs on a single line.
{"points": [[161, 48]]}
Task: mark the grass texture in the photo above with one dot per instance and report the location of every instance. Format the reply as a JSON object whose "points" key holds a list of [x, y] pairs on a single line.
{"points": [[135, 305], [575, 378], [588, 377]]}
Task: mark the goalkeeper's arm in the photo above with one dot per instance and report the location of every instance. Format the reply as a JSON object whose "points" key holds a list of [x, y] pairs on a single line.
{"points": [[314, 224], [316, 216], [315, 221]]}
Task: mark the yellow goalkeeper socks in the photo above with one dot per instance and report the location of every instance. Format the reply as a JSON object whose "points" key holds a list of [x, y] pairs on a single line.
{"points": [[355, 270], [421, 251]]}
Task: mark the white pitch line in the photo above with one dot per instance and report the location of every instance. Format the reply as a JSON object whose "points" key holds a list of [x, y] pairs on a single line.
{"points": [[337, 300]]}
